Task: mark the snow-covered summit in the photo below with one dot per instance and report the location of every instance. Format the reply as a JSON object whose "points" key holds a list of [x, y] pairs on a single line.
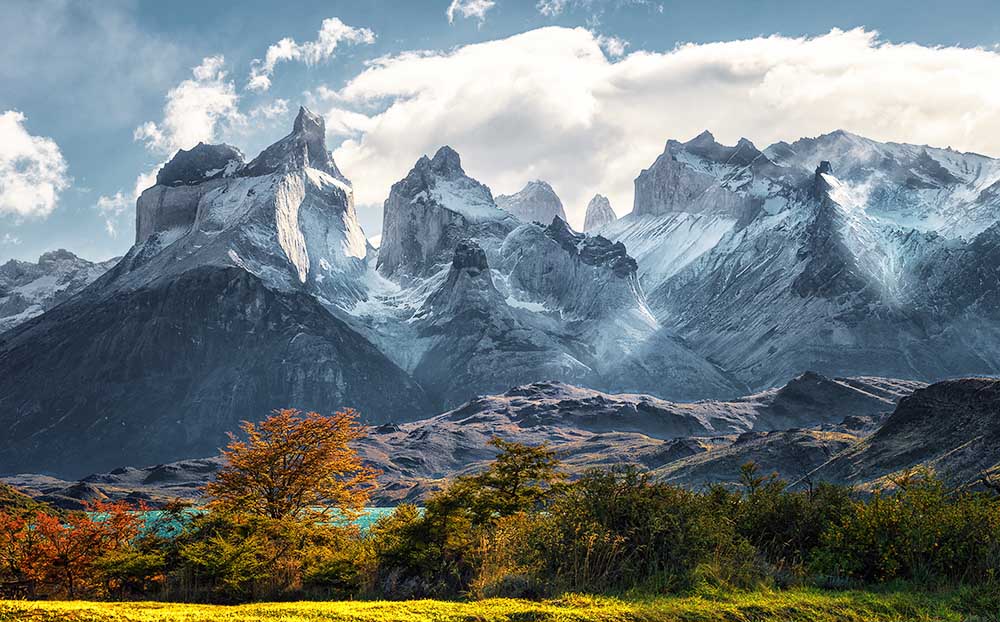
{"points": [[287, 217], [832, 252], [536, 202], [304, 148]]}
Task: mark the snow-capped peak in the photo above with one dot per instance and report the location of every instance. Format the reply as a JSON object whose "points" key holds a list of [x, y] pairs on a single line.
{"points": [[536, 202]]}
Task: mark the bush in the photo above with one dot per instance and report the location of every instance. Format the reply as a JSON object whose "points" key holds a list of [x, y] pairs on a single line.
{"points": [[618, 530], [921, 532], [783, 526]]}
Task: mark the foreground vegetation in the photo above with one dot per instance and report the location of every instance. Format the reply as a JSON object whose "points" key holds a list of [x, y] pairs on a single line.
{"points": [[513, 541], [788, 605]]}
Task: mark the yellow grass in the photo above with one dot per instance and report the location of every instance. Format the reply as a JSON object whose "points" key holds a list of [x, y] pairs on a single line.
{"points": [[799, 604]]}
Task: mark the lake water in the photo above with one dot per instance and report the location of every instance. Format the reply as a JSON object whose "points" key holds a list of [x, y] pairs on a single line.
{"points": [[156, 519]]}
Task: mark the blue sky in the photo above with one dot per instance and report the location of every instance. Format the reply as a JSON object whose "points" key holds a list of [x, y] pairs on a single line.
{"points": [[582, 93]]}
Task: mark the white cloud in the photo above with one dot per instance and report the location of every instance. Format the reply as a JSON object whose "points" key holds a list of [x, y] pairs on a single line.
{"points": [[194, 111], [332, 33], [271, 110], [10, 240], [111, 208], [551, 104], [551, 8], [469, 8], [613, 46], [32, 169], [555, 8]]}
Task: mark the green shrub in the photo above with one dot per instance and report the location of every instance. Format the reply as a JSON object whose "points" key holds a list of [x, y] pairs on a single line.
{"points": [[921, 532], [617, 530]]}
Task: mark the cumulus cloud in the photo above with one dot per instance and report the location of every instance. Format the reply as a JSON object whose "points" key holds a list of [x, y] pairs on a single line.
{"points": [[194, 110], [331, 34], [32, 169], [551, 104], [111, 209], [469, 8]]}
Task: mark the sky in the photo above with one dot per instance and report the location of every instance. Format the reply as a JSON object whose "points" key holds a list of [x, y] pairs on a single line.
{"points": [[95, 96]]}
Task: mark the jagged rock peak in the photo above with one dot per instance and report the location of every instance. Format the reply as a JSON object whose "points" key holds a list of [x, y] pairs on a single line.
{"points": [[200, 163], [594, 250], [469, 288], [706, 137], [820, 186], [308, 122], [304, 148], [705, 146], [599, 213], [447, 162]]}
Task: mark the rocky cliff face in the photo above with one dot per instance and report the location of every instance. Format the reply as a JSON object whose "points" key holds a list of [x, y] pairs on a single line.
{"points": [[599, 213], [430, 211], [584, 276], [172, 204], [476, 343], [536, 202], [29, 289], [287, 217]]}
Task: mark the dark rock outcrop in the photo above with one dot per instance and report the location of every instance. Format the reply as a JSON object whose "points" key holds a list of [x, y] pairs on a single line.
{"points": [[200, 163]]}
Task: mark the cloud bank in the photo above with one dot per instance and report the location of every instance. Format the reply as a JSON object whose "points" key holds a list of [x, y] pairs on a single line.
{"points": [[32, 170], [551, 104]]}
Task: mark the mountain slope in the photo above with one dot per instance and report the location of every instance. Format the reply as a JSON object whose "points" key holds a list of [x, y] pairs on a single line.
{"points": [[837, 253], [537, 301], [952, 427], [225, 310]]}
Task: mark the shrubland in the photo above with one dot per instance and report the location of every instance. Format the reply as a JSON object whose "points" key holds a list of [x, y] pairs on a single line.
{"points": [[277, 526]]}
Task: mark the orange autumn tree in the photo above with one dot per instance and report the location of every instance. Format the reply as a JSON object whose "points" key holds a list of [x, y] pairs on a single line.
{"points": [[293, 464], [63, 554]]}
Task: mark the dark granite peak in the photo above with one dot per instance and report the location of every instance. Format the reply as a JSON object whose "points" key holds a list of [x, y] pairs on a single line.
{"points": [[200, 163]]}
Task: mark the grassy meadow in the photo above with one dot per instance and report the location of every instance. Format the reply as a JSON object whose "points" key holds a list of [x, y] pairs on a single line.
{"points": [[759, 606]]}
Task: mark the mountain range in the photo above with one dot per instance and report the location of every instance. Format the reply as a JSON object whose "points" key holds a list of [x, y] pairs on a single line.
{"points": [[251, 286]]}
